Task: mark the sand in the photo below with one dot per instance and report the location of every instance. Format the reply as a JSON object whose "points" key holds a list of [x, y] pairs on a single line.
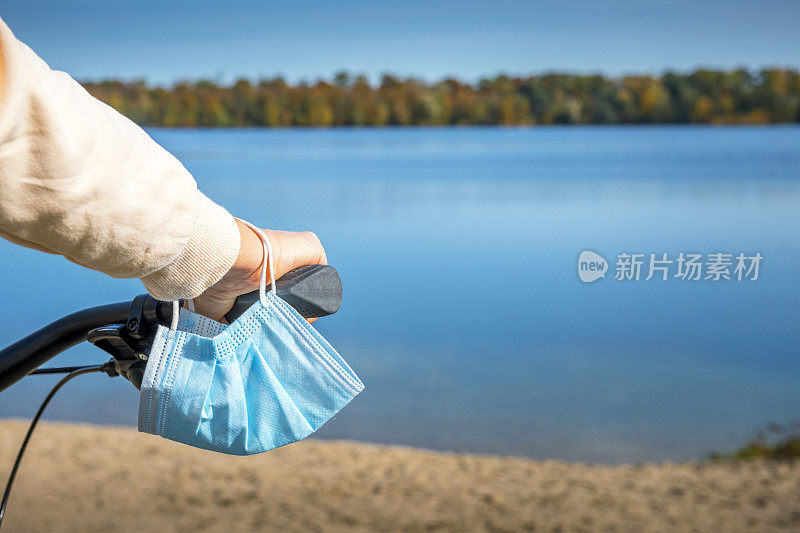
{"points": [[88, 478]]}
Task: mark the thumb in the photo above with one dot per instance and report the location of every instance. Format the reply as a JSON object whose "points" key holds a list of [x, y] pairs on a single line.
{"points": [[290, 250]]}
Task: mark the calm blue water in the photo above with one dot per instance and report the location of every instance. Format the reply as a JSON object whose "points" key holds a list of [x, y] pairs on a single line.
{"points": [[463, 311]]}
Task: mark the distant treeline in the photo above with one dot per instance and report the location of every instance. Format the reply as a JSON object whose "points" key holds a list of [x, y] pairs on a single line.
{"points": [[703, 96]]}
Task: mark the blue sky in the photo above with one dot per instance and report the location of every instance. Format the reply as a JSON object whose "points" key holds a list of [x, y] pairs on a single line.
{"points": [[167, 40]]}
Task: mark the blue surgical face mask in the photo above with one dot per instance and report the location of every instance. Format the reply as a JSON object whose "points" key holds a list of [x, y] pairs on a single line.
{"points": [[266, 380]]}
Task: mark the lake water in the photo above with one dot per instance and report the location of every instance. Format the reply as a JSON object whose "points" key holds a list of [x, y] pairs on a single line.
{"points": [[463, 312]]}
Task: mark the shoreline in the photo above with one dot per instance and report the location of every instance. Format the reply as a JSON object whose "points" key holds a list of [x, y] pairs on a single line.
{"points": [[78, 477]]}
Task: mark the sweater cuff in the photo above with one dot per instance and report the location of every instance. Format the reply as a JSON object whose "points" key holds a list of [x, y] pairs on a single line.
{"points": [[209, 253]]}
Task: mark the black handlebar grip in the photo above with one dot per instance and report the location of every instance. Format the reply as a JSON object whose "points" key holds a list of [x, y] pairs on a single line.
{"points": [[313, 290]]}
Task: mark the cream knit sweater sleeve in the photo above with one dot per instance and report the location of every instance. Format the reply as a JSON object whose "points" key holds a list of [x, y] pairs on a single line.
{"points": [[81, 180]]}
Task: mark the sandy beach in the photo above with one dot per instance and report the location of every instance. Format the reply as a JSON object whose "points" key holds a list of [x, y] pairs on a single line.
{"points": [[87, 478]]}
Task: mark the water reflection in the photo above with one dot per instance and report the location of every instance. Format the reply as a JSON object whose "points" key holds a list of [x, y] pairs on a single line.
{"points": [[463, 312]]}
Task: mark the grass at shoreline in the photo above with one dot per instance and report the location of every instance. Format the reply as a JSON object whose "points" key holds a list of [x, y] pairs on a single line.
{"points": [[776, 441]]}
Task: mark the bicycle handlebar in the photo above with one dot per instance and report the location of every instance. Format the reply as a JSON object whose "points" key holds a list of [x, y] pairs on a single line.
{"points": [[314, 291], [25, 355]]}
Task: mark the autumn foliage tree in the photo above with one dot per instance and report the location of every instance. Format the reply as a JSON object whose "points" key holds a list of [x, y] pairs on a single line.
{"points": [[703, 96]]}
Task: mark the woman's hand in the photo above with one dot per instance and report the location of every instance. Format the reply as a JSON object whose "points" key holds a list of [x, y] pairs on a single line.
{"points": [[291, 249]]}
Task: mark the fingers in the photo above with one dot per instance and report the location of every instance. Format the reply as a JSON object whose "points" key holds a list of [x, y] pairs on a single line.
{"points": [[293, 249], [290, 249]]}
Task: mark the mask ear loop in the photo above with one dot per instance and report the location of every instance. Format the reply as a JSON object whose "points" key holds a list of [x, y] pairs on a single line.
{"points": [[262, 286], [176, 310], [268, 260]]}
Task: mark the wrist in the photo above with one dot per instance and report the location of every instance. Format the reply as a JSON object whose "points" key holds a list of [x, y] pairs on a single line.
{"points": [[246, 269]]}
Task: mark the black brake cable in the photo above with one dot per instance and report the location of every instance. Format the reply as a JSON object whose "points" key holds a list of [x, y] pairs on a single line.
{"points": [[73, 372], [59, 369]]}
